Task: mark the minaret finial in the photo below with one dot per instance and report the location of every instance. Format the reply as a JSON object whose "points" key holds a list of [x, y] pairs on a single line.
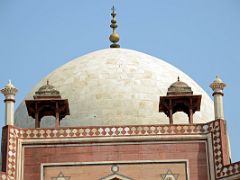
{"points": [[9, 91], [114, 37]]}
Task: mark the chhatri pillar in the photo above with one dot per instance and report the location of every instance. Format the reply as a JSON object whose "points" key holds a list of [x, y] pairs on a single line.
{"points": [[217, 86], [180, 98], [9, 91], [47, 102]]}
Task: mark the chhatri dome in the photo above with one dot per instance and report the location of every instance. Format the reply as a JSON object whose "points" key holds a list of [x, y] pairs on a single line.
{"points": [[116, 86]]}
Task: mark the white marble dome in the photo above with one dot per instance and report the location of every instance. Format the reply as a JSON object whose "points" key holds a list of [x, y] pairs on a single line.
{"points": [[116, 87]]}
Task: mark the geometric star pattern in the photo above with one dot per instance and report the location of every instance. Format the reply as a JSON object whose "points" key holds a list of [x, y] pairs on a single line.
{"points": [[61, 177], [169, 176]]}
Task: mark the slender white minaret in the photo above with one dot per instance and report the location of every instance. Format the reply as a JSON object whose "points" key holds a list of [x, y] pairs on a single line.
{"points": [[218, 86], [9, 91]]}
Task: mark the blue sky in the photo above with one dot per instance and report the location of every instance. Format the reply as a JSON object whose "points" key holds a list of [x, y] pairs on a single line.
{"points": [[201, 37]]}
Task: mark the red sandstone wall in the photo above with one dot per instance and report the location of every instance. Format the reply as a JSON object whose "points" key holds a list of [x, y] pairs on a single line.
{"points": [[224, 141], [195, 152]]}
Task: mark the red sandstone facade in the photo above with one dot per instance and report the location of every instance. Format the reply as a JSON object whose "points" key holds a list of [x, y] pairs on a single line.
{"points": [[201, 147]]}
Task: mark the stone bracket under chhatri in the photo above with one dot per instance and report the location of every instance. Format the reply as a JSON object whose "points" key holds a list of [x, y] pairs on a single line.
{"points": [[17, 138]]}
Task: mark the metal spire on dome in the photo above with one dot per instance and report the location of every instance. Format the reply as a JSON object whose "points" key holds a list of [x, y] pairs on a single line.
{"points": [[114, 37]]}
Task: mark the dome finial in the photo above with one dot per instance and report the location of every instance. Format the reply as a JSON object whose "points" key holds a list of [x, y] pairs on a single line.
{"points": [[114, 37]]}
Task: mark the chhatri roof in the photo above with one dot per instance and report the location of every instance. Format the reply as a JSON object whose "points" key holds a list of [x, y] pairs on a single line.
{"points": [[179, 88], [47, 90]]}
